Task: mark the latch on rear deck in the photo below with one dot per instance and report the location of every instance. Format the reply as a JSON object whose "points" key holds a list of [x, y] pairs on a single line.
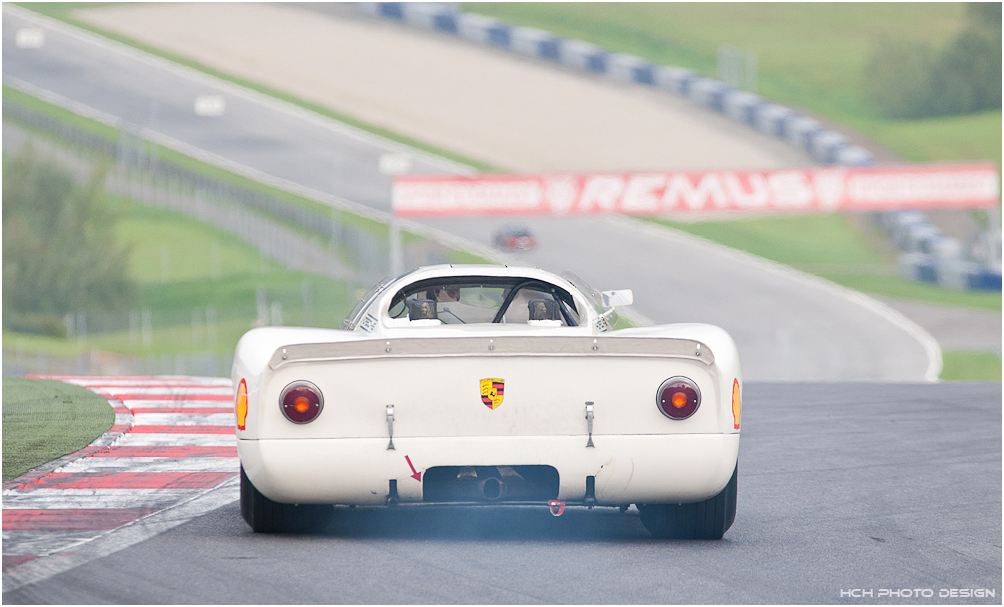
{"points": [[390, 427], [589, 423]]}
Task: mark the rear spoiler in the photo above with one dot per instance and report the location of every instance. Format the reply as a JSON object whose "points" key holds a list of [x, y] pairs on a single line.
{"points": [[440, 347]]}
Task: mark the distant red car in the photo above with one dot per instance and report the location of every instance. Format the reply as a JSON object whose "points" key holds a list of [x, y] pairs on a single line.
{"points": [[514, 237]]}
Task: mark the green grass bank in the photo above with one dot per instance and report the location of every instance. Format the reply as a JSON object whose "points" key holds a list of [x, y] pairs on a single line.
{"points": [[44, 420], [970, 366], [850, 251]]}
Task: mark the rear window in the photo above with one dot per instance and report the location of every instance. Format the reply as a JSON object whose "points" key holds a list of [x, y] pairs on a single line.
{"points": [[467, 300]]}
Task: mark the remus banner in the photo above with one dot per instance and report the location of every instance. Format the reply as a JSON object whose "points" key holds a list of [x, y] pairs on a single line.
{"points": [[871, 188]]}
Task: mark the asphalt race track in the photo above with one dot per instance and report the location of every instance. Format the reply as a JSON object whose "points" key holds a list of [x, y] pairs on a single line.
{"points": [[842, 487], [845, 488]]}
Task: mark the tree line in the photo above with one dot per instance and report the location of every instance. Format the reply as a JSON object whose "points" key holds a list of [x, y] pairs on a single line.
{"points": [[914, 80], [61, 253]]}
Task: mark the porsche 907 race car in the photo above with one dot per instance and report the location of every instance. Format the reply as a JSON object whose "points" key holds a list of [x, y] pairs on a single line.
{"points": [[514, 237], [476, 385]]}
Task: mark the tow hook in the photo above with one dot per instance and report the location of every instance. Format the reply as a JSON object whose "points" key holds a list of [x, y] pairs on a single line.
{"points": [[557, 507]]}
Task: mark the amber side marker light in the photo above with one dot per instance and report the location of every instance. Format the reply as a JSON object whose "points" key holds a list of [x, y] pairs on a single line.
{"points": [[678, 397], [242, 405], [301, 402]]}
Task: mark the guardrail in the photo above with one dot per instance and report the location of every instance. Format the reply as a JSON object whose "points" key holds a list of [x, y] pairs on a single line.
{"points": [[928, 255]]}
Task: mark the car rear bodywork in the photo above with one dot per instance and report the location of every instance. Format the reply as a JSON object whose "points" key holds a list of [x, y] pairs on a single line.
{"points": [[490, 412]]}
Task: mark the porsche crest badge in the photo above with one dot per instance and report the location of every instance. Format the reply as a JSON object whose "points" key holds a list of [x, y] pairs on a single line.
{"points": [[491, 392]]}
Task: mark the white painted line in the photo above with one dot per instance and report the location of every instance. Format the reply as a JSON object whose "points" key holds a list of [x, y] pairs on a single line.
{"points": [[926, 341], [140, 383], [29, 37], [134, 439], [123, 537], [138, 405], [183, 419], [194, 392], [153, 464], [394, 164], [210, 105], [43, 542], [57, 99], [32, 499]]}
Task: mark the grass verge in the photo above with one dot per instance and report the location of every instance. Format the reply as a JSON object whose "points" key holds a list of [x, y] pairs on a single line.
{"points": [[833, 247], [45, 419], [962, 365]]}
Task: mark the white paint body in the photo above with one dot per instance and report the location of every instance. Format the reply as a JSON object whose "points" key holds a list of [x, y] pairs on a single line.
{"points": [[431, 374]]}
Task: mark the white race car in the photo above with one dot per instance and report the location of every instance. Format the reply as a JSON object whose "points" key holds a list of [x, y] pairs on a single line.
{"points": [[471, 384]]}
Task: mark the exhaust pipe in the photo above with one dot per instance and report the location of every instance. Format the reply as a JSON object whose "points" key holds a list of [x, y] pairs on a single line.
{"points": [[491, 488]]}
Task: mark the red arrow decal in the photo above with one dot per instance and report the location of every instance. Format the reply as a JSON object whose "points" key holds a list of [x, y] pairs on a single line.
{"points": [[414, 474]]}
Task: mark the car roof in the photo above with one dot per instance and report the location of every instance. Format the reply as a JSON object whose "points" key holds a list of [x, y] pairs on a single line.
{"points": [[448, 270]]}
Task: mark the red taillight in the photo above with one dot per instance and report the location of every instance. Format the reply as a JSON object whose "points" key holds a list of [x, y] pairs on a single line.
{"points": [[678, 398], [301, 402]]}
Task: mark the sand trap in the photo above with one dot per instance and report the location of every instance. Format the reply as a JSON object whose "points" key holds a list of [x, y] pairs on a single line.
{"points": [[519, 114]]}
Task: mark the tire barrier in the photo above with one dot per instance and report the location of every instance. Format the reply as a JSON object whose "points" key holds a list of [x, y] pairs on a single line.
{"points": [[740, 105], [824, 145]]}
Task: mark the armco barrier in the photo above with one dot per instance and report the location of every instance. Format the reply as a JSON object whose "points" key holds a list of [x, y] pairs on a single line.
{"points": [[825, 145]]}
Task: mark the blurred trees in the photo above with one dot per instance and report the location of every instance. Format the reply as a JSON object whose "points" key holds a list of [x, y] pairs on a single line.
{"points": [[60, 252], [915, 81]]}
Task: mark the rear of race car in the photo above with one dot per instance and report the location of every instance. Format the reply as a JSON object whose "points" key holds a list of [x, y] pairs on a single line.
{"points": [[630, 418]]}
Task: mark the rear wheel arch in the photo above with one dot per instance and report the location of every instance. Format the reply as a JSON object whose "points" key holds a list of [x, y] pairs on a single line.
{"points": [[705, 520]]}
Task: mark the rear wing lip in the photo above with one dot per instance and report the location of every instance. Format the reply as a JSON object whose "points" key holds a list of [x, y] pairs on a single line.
{"points": [[432, 347]]}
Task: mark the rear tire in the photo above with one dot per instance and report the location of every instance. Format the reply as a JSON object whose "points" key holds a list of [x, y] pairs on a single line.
{"points": [[707, 520], [266, 516]]}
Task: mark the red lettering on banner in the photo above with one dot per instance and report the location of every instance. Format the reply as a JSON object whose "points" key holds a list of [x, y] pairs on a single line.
{"points": [[972, 185]]}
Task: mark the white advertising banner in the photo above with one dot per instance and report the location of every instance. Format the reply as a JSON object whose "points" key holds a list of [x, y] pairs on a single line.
{"points": [[878, 188]]}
